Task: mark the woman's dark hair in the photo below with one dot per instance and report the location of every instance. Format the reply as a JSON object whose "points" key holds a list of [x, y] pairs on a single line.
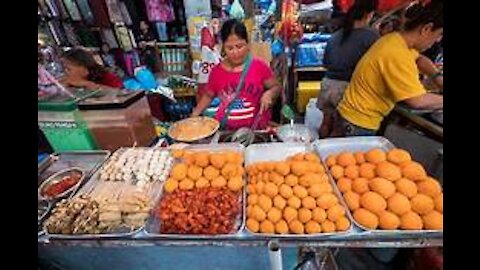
{"points": [[233, 26], [85, 59], [359, 9], [418, 15]]}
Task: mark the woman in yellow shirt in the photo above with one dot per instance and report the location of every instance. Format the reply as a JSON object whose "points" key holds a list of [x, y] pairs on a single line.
{"points": [[389, 73]]}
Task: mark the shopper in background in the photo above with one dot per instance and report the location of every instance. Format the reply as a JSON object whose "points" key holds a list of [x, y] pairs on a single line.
{"points": [[343, 51], [146, 43], [257, 92], [389, 73], [83, 71]]}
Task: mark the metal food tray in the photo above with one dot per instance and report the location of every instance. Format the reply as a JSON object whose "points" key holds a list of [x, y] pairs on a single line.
{"points": [[153, 224], [326, 147], [280, 151]]}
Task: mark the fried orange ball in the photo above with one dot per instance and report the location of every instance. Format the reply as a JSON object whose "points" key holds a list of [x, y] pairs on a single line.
{"points": [[399, 204], [429, 187], [188, 158], [327, 200], [438, 201], [306, 179], [179, 171], [337, 171], [270, 166], [240, 171], [406, 187], [360, 157], [235, 183], [231, 157], [331, 160], [345, 159], [267, 226], [294, 202], [352, 199], [299, 157], [318, 168], [170, 185], [285, 191], [344, 184], [375, 156], [276, 178], [309, 202], [289, 214], [398, 156], [201, 159], [296, 227], [315, 190], [186, 184], [304, 215], [177, 153], [270, 190], [252, 199], [367, 170], [325, 188], [194, 172], [373, 202], [316, 178], [210, 173], [274, 215], [229, 170], [319, 215], [259, 187], [422, 204], [352, 171], [411, 221], [360, 185], [414, 171], [342, 224], [202, 182], [291, 180], [258, 213], [219, 182], [250, 212], [328, 226], [311, 156], [366, 218], [433, 221], [382, 186], [253, 225], [299, 168], [388, 221], [388, 171], [300, 191], [279, 202], [281, 227], [335, 212], [265, 202], [312, 227]]}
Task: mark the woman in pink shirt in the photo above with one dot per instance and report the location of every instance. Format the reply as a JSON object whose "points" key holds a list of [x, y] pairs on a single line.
{"points": [[258, 91]]}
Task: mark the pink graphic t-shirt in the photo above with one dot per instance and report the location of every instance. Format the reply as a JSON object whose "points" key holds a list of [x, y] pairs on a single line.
{"points": [[223, 84]]}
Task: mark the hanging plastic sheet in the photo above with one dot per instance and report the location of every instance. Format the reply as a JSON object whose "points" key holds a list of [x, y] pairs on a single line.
{"points": [[125, 14], [53, 8], [237, 11], [86, 11], [114, 11], [72, 9], [61, 9]]}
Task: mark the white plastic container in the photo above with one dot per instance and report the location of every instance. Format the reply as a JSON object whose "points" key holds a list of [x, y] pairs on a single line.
{"points": [[313, 115]]}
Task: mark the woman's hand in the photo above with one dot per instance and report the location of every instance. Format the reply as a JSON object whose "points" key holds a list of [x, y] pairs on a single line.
{"points": [[266, 101]]}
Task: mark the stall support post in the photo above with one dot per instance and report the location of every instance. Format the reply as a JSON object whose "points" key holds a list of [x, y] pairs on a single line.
{"points": [[275, 255]]}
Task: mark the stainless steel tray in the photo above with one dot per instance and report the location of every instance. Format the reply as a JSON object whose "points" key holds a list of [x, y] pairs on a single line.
{"points": [[152, 226], [326, 147], [280, 151]]}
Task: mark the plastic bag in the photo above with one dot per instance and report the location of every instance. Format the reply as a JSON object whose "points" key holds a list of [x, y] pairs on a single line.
{"points": [[236, 11], [310, 54]]}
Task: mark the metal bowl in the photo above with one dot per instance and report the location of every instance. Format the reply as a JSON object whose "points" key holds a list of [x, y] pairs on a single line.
{"points": [[296, 133], [57, 177]]}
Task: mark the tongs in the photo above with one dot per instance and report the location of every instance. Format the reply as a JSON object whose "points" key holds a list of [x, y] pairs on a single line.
{"points": [[245, 135]]}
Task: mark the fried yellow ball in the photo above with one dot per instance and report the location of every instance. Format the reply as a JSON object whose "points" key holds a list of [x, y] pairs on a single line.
{"points": [[252, 199], [276, 178], [294, 202], [240, 171], [342, 224], [265, 202], [345, 159], [328, 226], [312, 157], [201, 159], [429, 187], [218, 182], [202, 182], [279, 202], [270, 166], [375, 155], [299, 157], [194, 172], [388, 221], [296, 227], [210, 173], [411, 221], [235, 183], [352, 171], [189, 158], [325, 188], [266, 177], [422, 204], [251, 189], [388, 171], [258, 214], [306, 179], [259, 187], [315, 190], [438, 201], [367, 170], [253, 225], [289, 214], [299, 168], [312, 227], [414, 171], [344, 184], [360, 157], [231, 157], [267, 226], [300, 191], [337, 171], [170, 185], [319, 215], [331, 160], [291, 180], [366, 218], [309, 202], [399, 204], [177, 153], [398, 156], [304, 215], [283, 168], [270, 189], [281, 227], [352, 199], [186, 184], [406, 187], [327, 200], [382, 186], [179, 171], [360, 185], [433, 221], [250, 212], [229, 170], [335, 212], [285, 191], [373, 202], [318, 168], [274, 214]]}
